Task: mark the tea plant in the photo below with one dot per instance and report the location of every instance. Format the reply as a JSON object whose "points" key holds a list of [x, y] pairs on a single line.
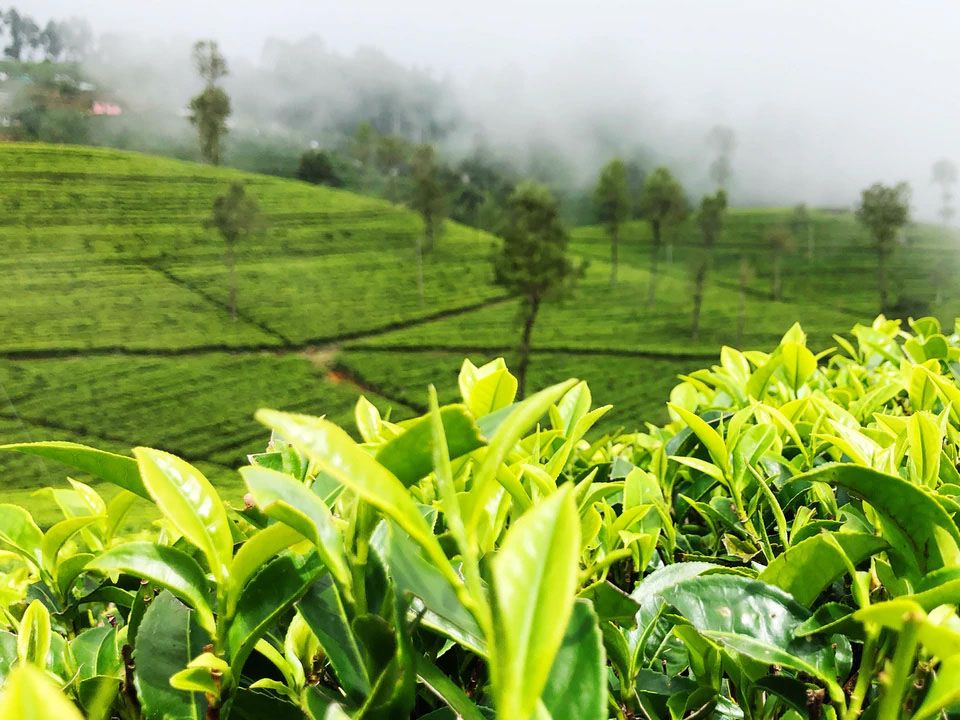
{"points": [[786, 546]]}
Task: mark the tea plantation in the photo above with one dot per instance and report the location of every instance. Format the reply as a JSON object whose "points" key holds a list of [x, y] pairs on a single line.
{"points": [[114, 329]]}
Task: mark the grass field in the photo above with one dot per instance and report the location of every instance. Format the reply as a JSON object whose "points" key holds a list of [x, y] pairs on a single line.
{"points": [[114, 329]]}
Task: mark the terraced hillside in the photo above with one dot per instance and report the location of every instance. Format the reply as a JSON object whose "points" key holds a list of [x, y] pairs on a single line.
{"points": [[632, 353], [114, 328], [113, 324]]}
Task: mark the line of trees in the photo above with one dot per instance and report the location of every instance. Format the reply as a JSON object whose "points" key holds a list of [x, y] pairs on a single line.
{"points": [[662, 203], [59, 40], [532, 262]]}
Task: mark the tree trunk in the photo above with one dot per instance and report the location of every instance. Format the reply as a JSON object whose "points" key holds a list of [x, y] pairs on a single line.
{"points": [[614, 253], [523, 361], [882, 275], [654, 261], [698, 299], [777, 290], [428, 231], [742, 314], [232, 280], [420, 241]]}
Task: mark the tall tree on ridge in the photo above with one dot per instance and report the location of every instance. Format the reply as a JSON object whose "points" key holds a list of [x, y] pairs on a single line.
{"points": [[662, 203], [236, 216], [611, 198], [781, 242], [210, 109], [883, 211], [532, 262], [710, 219]]}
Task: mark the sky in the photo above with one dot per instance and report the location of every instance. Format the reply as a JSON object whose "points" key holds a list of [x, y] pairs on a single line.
{"points": [[824, 97]]}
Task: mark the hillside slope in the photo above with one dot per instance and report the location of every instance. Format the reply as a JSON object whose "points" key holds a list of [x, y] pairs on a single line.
{"points": [[632, 353], [114, 329], [113, 317]]}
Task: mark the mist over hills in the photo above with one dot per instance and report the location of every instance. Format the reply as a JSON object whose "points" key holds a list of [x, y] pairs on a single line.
{"points": [[823, 99]]}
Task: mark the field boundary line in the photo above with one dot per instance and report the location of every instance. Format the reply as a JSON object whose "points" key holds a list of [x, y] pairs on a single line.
{"points": [[587, 351], [241, 315], [355, 379], [288, 347]]}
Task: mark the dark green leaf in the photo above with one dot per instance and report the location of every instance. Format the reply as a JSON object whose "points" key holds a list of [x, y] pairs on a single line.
{"points": [[912, 517], [323, 610], [168, 640], [806, 568], [413, 574], [164, 566], [755, 619], [271, 591]]}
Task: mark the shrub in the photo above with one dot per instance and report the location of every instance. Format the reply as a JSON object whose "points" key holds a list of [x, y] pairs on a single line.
{"points": [[785, 547], [317, 167]]}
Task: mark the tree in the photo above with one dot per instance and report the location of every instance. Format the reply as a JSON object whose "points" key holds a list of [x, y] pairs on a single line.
{"points": [[710, 219], [611, 199], [51, 40], [236, 216], [883, 211], [467, 201], [17, 27], [427, 195], [723, 140], [780, 241], [745, 278], [392, 154], [635, 177], [482, 185], [802, 226], [945, 175], [31, 35], [317, 167], [363, 145], [210, 109], [662, 203], [532, 263]]}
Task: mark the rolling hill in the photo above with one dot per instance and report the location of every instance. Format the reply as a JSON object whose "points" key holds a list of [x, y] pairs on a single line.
{"points": [[114, 329]]}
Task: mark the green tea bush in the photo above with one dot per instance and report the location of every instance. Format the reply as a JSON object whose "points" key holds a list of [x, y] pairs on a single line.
{"points": [[785, 547]]}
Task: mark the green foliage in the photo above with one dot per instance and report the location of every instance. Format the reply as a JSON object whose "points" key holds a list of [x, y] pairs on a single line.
{"points": [[427, 195], [611, 198], [786, 543], [884, 210], [662, 203], [236, 216], [210, 109], [710, 217], [318, 167], [532, 262]]}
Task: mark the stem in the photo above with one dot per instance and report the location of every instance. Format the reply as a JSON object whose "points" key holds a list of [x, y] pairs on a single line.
{"points": [[901, 670], [607, 561], [532, 307], [867, 663], [420, 268], [654, 258], [614, 252]]}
